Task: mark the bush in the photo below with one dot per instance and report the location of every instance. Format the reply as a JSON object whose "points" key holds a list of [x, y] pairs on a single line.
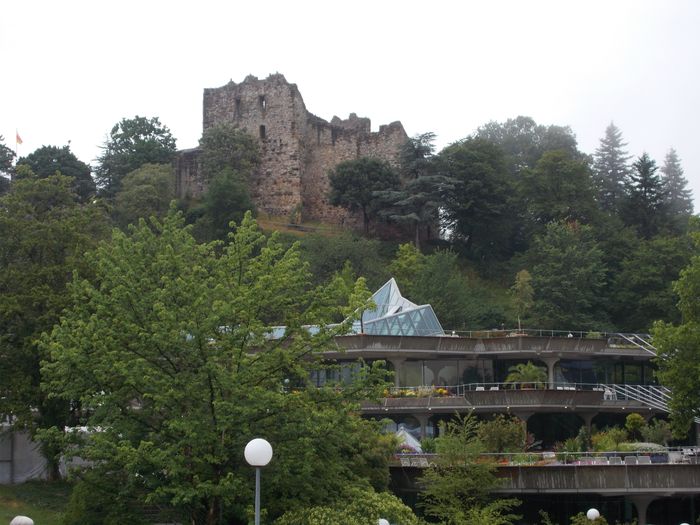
{"points": [[658, 431]]}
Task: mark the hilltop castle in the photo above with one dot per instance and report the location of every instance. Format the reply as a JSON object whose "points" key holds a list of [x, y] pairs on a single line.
{"points": [[297, 148]]}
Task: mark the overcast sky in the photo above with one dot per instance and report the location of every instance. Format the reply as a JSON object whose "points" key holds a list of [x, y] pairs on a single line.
{"points": [[72, 69]]}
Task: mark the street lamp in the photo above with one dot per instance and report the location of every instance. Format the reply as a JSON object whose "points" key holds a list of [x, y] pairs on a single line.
{"points": [[593, 514], [258, 453]]}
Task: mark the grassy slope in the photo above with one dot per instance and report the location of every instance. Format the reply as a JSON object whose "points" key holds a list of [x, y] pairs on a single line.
{"points": [[43, 502]]}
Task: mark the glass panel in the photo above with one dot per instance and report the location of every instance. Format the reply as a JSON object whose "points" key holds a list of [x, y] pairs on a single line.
{"points": [[410, 373]]}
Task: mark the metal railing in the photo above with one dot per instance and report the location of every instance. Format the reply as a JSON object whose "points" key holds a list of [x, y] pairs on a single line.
{"points": [[664, 455], [649, 395], [619, 339]]}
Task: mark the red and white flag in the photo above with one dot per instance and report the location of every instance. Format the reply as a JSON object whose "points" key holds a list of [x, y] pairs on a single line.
{"points": [[18, 139]]}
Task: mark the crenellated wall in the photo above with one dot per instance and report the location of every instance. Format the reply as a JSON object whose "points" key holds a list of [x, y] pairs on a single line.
{"points": [[298, 148]]}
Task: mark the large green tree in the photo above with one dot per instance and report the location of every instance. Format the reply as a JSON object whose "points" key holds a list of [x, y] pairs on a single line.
{"points": [[679, 198], [642, 291], [417, 203], [144, 192], [479, 208], [44, 231], [646, 208], [48, 160], [611, 169], [457, 486], [355, 183], [131, 144], [568, 276], [678, 348], [524, 141], [558, 188], [171, 353]]}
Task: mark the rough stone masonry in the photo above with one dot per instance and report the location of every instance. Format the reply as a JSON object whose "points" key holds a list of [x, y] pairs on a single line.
{"points": [[298, 148]]}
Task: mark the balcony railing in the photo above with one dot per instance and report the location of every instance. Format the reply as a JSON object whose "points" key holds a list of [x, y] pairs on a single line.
{"points": [[669, 455]]}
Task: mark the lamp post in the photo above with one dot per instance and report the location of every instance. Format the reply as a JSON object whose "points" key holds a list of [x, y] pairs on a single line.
{"points": [[258, 453], [593, 514]]}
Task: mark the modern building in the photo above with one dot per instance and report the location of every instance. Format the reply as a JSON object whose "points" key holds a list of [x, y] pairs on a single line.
{"points": [[591, 379]]}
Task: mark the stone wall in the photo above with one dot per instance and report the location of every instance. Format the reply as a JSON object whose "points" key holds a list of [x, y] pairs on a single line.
{"points": [[298, 148]]}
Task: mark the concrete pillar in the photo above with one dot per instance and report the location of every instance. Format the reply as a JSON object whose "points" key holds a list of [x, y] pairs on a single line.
{"points": [[423, 420], [641, 503], [550, 362], [523, 416], [588, 418], [397, 362]]}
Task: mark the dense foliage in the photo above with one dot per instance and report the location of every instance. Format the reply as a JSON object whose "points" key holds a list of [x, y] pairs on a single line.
{"points": [[169, 353]]}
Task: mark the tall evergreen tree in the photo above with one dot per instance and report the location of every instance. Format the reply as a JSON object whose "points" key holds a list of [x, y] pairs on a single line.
{"points": [[419, 201], [611, 169], [646, 204], [679, 199]]}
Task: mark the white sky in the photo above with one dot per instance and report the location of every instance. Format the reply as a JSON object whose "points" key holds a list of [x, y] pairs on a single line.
{"points": [[72, 69]]}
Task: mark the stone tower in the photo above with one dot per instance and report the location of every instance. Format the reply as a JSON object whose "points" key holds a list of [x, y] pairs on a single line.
{"points": [[298, 148]]}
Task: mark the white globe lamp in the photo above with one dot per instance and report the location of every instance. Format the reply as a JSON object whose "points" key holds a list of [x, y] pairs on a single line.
{"points": [[22, 520], [258, 453], [382, 521], [593, 514]]}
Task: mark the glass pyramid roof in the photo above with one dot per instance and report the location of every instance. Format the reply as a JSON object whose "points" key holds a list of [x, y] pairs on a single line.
{"points": [[393, 314]]}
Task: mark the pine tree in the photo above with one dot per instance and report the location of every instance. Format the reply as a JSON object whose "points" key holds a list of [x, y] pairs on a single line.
{"points": [[611, 170], [679, 199], [646, 206]]}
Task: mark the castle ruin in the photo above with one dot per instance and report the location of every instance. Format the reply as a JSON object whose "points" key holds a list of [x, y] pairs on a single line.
{"points": [[298, 149]]}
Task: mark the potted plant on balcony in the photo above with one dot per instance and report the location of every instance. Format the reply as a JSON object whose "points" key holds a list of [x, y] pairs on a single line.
{"points": [[527, 375]]}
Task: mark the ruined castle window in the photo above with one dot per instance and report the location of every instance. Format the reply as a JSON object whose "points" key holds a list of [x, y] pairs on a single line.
{"points": [[262, 132], [263, 102], [237, 107]]}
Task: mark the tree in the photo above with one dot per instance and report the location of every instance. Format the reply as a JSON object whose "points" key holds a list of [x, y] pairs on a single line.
{"points": [[44, 231], [646, 206], [144, 192], [227, 147], [406, 267], [418, 201], [328, 255], [225, 200], [502, 434], [522, 294], [679, 199], [7, 157], [558, 188], [170, 353], [678, 348], [49, 160], [131, 144], [527, 374], [458, 482], [642, 290], [524, 141], [479, 210], [459, 301], [611, 170], [568, 278], [357, 507], [229, 158], [355, 183]]}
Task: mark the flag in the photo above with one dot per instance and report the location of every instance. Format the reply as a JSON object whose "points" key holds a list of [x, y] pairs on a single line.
{"points": [[18, 139]]}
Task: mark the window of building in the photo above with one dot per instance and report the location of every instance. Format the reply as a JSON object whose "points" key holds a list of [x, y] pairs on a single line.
{"points": [[263, 102], [262, 132]]}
